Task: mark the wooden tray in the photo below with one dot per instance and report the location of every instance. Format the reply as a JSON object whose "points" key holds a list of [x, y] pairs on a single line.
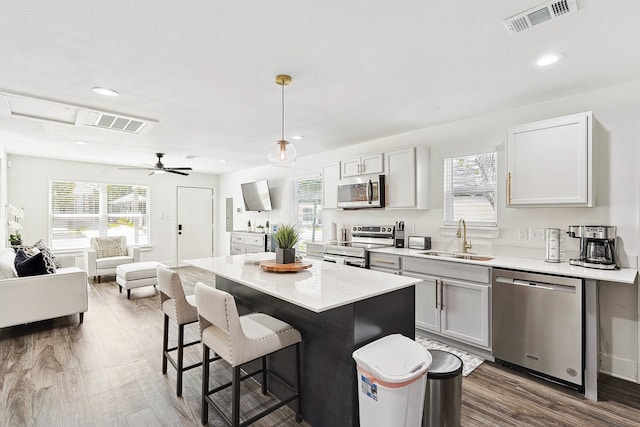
{"points": [[293, 267]]}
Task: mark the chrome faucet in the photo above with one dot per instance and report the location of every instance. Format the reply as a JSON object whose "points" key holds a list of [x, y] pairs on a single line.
{"points": [[465, 244]]}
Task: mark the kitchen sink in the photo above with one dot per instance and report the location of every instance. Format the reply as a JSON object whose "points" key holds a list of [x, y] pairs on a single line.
{"points": [[458, 255]]}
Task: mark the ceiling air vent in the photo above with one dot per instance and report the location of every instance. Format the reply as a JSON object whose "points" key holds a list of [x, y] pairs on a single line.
{"points": [[539, 15], [114, 121]]}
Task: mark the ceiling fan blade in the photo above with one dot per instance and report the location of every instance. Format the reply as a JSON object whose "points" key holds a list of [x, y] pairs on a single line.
{"points": [[176, 172], [137, 169], [179, 169]]}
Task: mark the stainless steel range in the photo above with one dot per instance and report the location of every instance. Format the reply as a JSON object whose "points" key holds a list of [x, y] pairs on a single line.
{"points": [[363, 238]]}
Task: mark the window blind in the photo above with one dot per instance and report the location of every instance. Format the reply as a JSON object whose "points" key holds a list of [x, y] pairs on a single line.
{"points": [[470, 189], [306, 209], [82, 210]]}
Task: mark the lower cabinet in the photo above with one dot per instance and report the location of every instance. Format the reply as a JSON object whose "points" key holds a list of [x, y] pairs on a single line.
{"points": [[452, 306], [247, 243]]}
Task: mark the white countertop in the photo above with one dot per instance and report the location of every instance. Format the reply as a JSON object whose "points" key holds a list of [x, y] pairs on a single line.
{"points": [[322, 287], [623, 275]]}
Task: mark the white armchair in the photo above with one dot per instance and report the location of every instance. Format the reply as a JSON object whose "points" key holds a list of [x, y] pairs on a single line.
{"points": [[106, 253]]}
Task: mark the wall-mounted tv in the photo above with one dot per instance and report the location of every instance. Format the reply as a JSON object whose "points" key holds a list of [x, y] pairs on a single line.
{"points": [[256, 196]]}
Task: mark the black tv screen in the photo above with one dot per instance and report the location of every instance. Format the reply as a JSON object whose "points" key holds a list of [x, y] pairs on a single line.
{"points": [[256, 196]]}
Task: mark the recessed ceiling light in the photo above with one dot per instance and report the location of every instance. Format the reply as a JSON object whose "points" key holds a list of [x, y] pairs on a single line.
{"points": [[222, 161], [549, 59], [80, 142], [297, 137], [105, 91]]}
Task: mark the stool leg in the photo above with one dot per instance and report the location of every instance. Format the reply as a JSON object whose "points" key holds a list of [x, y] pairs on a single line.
{"points": [[205, 384], [235, 400], [99, 279], [165, 343], [180, 360], [298, 386], [264, 374], [128, 293], [120, 288]]}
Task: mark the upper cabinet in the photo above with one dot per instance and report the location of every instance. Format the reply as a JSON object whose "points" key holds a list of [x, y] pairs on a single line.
{"points": [[364, 165], [330, 178], [550, 162], [407, 178]]}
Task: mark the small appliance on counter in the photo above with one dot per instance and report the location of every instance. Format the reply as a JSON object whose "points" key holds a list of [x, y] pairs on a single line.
{"points": [[552, 238], [419, 242], [597, 246], [398, 235]]}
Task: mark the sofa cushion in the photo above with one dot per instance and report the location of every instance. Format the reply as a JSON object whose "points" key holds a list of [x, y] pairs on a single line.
{"points": [[112, 262], [49, 258], [30, 265], [107, 247], [7, 268]]}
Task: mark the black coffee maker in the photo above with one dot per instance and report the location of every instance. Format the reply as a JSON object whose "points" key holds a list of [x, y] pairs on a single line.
{"points": [[597, 246]]}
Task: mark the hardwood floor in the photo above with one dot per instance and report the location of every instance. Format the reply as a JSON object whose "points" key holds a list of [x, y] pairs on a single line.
{"points": [[107, 371]]}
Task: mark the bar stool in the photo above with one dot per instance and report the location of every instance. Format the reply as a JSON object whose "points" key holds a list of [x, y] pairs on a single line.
{"points": [[182, 310], [240, 340]]}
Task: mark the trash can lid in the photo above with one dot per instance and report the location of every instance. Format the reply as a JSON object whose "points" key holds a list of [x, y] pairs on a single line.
{"points": [[394, 358], [444, 365]]}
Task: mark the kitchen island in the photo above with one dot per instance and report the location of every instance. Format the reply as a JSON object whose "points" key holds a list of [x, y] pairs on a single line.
{"points": [[337, 309]]}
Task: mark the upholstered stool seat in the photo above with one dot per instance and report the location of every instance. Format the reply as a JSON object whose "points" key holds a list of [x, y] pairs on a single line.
{"points": [[239, 340], [136, 275], [182, 310]]}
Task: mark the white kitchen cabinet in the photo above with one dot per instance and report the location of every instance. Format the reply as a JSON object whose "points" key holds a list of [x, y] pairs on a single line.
{"points": [[550, 162], [406, 178], [330, 178], [363, 165], [457, 306], [247, 243], [387, 263]]}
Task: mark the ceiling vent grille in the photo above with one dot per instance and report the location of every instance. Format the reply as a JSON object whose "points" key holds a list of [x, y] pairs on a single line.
{"points": [[539, 15], [113, 121]]}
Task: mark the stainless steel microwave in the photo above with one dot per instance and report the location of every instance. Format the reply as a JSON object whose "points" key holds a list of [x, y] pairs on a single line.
{"points": [[360, 192]]}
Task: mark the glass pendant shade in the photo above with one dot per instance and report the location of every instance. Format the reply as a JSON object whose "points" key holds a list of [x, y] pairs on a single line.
{"points": [[282, 154]]}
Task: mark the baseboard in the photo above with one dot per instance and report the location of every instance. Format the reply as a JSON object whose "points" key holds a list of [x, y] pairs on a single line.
{"points": [[619, 368]]}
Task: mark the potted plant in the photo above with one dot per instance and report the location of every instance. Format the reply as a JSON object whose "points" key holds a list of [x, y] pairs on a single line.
{"points": [[15, 239], [286, 237], [249, 225], [260, 228]]}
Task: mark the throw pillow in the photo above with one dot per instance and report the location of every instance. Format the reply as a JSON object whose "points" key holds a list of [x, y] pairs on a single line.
{"points": [[49, 259], [29, 266], [107, 247]]}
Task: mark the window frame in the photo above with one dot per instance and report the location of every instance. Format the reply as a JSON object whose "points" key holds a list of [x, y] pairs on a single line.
{"points": [[103, 215], [295, 213], [447, 209]]}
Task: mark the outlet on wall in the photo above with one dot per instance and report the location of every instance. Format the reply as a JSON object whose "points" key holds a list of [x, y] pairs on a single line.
{"points": [[523, 234], [536, 234]]}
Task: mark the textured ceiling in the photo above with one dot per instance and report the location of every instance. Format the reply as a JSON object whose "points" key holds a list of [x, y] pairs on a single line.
{"points": [[362, 69]]}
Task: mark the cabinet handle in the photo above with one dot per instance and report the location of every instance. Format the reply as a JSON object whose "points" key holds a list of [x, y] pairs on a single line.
{"points": [[509, 188], [381, 261], [437, 294], [441, 295]]}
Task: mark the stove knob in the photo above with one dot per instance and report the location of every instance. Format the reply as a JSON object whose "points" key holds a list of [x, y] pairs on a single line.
{"points": [[383, 229], [359, 228]]}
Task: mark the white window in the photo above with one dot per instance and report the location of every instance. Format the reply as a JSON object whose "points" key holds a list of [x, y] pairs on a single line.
{"points": [[306, 209], [81, 210], [470, 189]]}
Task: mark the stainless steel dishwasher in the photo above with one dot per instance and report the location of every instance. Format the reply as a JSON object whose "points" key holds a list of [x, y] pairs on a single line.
{"points": [[538, 324]]}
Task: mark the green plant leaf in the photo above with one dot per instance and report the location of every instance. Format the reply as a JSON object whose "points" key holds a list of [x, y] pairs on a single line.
{"points": [[287, 236]]}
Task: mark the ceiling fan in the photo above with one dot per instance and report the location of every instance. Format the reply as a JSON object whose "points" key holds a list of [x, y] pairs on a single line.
{"points": [[160, 168]]}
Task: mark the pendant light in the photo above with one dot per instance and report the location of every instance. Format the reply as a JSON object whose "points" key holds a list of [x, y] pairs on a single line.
{"points": [[283, 153]]}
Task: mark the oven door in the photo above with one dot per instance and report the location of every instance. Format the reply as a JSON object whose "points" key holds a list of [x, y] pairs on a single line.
{"points": [[361, 192], [352, 261]]}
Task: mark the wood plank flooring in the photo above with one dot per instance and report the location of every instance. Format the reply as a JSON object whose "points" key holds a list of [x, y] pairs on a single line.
{"points": [[107, 371]]}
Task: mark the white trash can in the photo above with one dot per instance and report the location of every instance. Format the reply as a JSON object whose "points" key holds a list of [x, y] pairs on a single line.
{"points": [[391, 382]]}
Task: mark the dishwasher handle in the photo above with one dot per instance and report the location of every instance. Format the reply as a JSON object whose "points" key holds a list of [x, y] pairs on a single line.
{"points": [[535, 284]]}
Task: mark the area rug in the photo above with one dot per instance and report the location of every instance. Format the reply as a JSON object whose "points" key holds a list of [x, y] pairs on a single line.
{"points": [[469, 361]]}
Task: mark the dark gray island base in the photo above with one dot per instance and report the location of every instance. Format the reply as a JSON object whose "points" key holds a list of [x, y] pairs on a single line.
{"points": [[329, 338]]}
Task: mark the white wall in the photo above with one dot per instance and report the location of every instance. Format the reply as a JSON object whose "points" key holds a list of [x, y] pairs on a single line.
{"points": [[617, 112], [28, 187]]}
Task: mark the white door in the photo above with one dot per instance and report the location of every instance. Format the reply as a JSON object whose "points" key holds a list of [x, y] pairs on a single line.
{"points": [[194, 223]]}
